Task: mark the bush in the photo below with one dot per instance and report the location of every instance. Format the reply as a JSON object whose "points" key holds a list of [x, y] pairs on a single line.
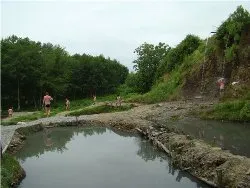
{"points": [[238, 110], [11, 171]]}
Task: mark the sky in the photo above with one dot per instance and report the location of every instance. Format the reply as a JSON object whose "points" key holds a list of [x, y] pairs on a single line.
{"points": [[113, 28]]}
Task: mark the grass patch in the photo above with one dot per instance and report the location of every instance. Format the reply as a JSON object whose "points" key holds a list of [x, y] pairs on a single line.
{"points": [[24, 118], [11, 170], [100, 109], [163, 91], [238, 110]]}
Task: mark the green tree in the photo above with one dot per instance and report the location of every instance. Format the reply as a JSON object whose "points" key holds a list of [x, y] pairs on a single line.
{"points": [[176, 55], [230, 31], [20, 67], [149, 57]]}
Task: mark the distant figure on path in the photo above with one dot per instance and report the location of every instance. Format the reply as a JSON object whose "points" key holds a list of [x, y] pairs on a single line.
{"points": [[118, 100], [46, 102], [67, 104], [94, 98], [10, 111]]}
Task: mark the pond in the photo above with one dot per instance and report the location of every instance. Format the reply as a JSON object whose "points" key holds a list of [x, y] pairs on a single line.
{"points": [[231, 136], [97, 157]]}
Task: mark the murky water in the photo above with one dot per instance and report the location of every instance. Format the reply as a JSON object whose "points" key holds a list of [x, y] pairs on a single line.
{"points": [[95, 158], [228, 135]]}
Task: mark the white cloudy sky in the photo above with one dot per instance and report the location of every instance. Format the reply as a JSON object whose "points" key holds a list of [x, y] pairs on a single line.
{"points": [[112, 28]]}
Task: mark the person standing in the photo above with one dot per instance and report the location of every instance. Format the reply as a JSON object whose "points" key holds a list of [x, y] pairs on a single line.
{"points": [[10, 111], [67, 104], [46, 102], [221, 84], [94, 99], [118, 101]]}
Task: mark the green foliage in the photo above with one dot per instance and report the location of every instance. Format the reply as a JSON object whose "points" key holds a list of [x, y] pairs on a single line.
{"points": [[96, 75], [230, 31], [169, 86], [161, 91], [133, 82], [10, 170], [230, 53], [245, 111], [100, 109], [238, 110], [31, 68], [176, 55], [146, 64]]}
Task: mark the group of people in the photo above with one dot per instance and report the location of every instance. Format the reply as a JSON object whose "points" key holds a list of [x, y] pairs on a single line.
{"points": [[47, 100]]}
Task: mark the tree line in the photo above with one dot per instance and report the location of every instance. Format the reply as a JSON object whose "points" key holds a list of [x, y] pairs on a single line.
{"points": [[29, 68]]}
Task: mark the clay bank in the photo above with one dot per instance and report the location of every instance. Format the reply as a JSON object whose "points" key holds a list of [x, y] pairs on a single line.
{"points": [[210, 164]]}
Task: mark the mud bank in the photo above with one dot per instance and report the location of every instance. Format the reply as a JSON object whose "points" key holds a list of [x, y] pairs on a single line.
{"points": [[212, 165]]}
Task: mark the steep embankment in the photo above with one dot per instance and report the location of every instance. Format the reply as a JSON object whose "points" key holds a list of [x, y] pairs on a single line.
{"points": [[203, 78]]}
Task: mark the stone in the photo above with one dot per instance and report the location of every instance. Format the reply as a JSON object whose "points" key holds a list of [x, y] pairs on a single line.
{"points": [[21, 123], [248, 172]]}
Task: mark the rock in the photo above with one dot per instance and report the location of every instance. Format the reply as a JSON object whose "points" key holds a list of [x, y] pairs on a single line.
{"points": [[248, 172], [21, 123], [189, 137]]}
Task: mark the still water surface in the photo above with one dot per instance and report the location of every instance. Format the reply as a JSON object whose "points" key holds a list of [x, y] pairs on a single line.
{"points": [[97, 157], [231, 136]]}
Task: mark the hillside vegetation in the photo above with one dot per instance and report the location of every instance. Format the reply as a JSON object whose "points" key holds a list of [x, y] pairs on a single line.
{"points": [[189, 70], [192, 68]]}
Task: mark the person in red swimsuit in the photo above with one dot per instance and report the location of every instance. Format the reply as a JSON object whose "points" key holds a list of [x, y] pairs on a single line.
{"points": [[46, 103]]}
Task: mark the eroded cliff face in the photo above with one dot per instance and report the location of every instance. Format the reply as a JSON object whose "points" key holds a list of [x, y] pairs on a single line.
{"points": [[203, 77]]}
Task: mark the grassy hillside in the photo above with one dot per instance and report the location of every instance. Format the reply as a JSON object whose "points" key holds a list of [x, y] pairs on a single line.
{"points": [[226, 54]]}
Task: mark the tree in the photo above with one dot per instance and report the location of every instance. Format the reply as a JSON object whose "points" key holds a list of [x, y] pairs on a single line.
{"points": [[230, 31], [30, 68], [175, 56], [20, 63], [147, 63]]}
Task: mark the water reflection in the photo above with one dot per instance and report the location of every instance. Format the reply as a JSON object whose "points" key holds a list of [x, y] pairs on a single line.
{"points": [[48, 141], [103, 154], [47, 137], [146, 151], [227, 135], [149, 153]]}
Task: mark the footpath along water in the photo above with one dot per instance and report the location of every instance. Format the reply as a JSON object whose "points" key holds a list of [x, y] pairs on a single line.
{"points": [[97, 157]]}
